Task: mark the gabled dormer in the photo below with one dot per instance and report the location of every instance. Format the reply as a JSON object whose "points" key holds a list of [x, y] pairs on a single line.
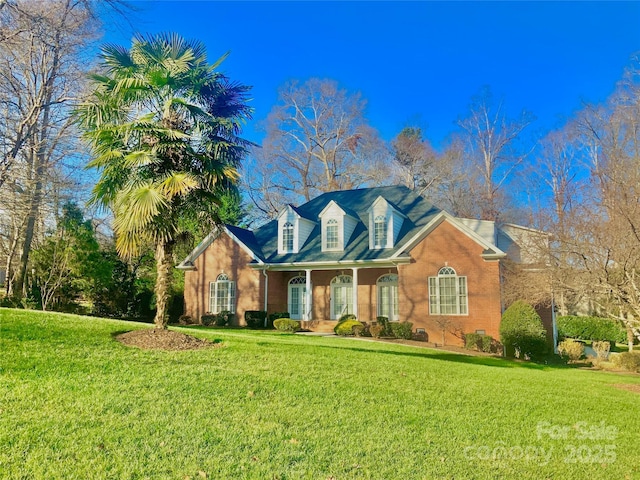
{"points": [[337, 226], [293, 230], [385, 223]]}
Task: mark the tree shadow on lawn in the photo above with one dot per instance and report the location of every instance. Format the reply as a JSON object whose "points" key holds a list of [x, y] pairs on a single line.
{"points": [[454, 357], [437, 355], [425, 352]]}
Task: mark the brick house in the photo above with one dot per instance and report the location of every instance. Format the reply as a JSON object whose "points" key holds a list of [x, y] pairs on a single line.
{"points": [[373, 251]]}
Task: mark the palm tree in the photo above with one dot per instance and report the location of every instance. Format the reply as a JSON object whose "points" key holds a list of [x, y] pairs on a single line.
{"points": [[164, 130]]}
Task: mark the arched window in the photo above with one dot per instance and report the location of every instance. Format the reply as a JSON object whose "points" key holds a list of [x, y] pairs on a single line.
{"points": [[287, 237], [222, 295], [332, 237], [380, 232], [388, 296], [448, 293], [341, 296]]}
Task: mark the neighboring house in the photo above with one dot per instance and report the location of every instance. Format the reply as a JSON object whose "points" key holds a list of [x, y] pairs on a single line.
{"points": [[372, 252]]}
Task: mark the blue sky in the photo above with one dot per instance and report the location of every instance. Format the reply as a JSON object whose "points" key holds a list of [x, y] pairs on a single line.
{"points": [[414, 62]]}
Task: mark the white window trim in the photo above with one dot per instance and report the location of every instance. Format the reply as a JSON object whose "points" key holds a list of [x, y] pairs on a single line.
{"points": [[343, 282], [301, 305], [434, 281], [333, 222], [383, 241], [230, 301], [288, 227], [393, 283]]}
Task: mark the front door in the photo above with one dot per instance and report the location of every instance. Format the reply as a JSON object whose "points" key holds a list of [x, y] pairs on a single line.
{"points": [[297, 298], [341, 296]]}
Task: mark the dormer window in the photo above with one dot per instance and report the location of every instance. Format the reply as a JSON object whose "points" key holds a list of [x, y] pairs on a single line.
{"points": [[287, 237], [332, 235], [293, 230], [380, 232], [337, 226], [385, 222]]}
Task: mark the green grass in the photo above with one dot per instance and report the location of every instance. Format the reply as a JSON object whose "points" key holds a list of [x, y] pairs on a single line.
{"points": [[74, 403]]}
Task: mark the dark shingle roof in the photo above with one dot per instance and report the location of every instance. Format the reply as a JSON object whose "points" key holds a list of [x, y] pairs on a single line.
{"points": [[264, 240]]}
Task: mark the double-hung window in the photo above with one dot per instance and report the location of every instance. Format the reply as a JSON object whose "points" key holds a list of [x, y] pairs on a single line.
{"points": [[448, 293], [222, 295], [331, 236], [287, 237], [380, 232]]}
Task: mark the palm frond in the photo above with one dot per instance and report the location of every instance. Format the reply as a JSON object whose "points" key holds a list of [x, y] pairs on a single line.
{"points": [[139, 158], [136, 206], [222, 58], [116, 57], [106, 158], [128, 85], [178, 184]]}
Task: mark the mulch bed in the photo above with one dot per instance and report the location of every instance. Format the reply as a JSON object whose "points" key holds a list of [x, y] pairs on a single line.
{"points": [[632, 387], [159, 339]]}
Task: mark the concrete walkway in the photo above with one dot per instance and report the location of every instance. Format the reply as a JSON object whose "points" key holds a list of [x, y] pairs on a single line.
{"points": [[317, 334]]}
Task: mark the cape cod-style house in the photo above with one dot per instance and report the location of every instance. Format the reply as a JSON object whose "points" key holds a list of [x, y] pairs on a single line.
{"points": [[372, 252]]}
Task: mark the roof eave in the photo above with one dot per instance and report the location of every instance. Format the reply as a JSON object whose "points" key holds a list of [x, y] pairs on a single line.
{"points": [[329, 265]]}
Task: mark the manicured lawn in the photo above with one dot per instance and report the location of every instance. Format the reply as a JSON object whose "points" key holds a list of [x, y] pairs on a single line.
{"points": [[74, 403]]}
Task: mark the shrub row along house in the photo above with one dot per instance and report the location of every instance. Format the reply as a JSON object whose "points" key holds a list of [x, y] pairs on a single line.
{"points": [[370, 252]]}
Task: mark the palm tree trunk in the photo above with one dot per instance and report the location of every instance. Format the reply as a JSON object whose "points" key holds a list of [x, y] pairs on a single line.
{"points": [[164, 262]]}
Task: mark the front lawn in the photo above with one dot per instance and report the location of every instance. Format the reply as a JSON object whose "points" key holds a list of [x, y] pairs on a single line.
{"points": [[75, 403]]}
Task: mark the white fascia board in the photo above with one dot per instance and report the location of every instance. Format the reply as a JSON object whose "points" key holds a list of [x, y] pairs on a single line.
{"points": [[528, 229], [288, 208], [188, 263], [377, 263], [437, 220], [329, 205]]}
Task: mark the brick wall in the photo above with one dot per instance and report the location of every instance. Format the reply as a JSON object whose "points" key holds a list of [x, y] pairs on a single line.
{"points": [[446, 245], [223, 255]]}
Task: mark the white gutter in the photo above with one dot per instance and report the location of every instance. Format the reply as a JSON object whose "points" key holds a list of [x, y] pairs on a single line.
{"points": [[376, 263]]}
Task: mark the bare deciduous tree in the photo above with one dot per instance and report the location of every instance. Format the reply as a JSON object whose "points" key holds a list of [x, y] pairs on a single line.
{"points": [[490, 138], [317, 140], [42, 71], [600, 240]]}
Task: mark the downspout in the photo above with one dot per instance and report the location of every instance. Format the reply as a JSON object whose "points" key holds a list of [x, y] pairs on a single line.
{"points": [[266, 294]]}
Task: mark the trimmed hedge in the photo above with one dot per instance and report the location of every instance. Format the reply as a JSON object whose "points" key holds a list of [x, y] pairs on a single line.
{"points": [[479, 342], [402, 330], [591, 328], [376, 330], [628, 360], [224, 318], [286, 325], [255, 318], [346, 327], [386, 329], [219, 319], [274, 316], [571, 350], [521, 331]]}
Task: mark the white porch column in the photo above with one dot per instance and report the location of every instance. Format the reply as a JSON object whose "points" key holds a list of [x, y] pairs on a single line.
{"points": [[355, 291], [308, 296]]}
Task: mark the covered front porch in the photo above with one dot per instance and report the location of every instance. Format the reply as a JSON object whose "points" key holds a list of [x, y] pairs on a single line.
{"points": [[321, 295]]}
